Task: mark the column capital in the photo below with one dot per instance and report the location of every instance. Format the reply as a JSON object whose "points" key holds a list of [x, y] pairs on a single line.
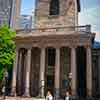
{"points": [[73, 46], [87, 46], [43, 48], [16, 48], [57, 47], [29, 48], [25, 46]]}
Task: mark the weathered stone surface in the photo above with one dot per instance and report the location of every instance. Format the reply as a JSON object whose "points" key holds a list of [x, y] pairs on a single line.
{"points": [[67, 11]]}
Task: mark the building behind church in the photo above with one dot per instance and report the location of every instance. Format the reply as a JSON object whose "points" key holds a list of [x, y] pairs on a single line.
{"points": [[5, 12]]}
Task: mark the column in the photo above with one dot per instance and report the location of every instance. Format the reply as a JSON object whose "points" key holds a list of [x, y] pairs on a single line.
{"points": [[42, 72], [27, 81], [57, 73], [73, 71], [13, 91], [89, 71], [19, 72]]}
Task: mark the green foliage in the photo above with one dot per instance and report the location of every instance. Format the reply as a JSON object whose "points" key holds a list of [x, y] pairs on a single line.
{"points": [[6, 49]]}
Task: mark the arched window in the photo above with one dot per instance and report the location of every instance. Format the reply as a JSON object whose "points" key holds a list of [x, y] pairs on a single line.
{"points": [[54, 7]]}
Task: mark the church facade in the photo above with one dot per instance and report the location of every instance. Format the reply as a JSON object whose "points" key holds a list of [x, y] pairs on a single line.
{"points": [[55, 53]]}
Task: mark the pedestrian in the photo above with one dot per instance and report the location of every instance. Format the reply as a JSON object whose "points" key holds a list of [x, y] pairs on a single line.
{"points": [[67, 96], [3, 91], [49, 96]]}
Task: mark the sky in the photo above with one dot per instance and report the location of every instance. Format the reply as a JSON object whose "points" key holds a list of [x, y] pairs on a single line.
{"points": [[27, 6], [90, 13]]}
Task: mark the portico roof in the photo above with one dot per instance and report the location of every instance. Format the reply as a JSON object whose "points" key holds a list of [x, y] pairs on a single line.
{"points": [[58, 36]]}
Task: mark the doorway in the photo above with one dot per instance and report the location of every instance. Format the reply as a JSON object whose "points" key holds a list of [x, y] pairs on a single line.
{"points": [[81, 71], [50, 70], [50, 84]]}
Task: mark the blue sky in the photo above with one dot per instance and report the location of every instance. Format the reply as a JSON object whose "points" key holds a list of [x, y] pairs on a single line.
{"points": [[90, 13], [86, 4], [27, 6]]}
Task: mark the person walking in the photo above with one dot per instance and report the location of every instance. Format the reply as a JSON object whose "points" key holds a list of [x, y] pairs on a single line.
{"points": [[3, 92], [49, 96], [67, 96]]}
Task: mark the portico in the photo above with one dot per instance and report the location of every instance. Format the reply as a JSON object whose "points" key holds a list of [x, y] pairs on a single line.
{"points": [[38, 75]]}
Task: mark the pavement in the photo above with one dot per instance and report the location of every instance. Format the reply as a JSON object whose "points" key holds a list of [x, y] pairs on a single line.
{"points": [[20, 98], [32, 98]]}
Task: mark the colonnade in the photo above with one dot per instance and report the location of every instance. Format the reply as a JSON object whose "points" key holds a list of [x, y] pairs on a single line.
{"points": [[57, 72]]}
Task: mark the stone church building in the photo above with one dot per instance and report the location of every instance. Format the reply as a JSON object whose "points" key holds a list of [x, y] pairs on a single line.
{"points": [[55, 53]]}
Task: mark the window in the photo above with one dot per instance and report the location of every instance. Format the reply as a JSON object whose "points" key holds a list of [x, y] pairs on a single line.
{"points": [[54, 7], [51, 57]]}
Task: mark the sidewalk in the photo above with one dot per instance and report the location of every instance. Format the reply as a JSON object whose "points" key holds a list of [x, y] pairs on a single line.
{"points": [[20, 98]]}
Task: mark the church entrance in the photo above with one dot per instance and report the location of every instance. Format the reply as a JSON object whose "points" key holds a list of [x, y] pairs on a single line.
{"points": [[50, 83], [81, 71], [65, 70], [50, 69]]}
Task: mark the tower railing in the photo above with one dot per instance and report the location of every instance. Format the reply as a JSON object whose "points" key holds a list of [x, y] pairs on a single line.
{"points": [[82, 29]]}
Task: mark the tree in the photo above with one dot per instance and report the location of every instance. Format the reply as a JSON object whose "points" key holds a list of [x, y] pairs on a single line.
{"points": [[6, 50]]}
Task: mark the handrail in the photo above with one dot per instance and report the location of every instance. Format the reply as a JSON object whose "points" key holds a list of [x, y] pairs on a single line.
{"points": [[86, 28]]}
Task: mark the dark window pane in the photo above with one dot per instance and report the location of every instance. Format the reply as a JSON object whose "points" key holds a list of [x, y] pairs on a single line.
{"points": [[51, 57], [54, 7]]}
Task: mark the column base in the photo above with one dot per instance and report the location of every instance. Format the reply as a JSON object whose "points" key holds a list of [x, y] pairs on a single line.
{"points": [[89, 93], [75, 98], [40, 96], [73, 93], [27, 93], [13, 92], [89, 98], [57, 93]]}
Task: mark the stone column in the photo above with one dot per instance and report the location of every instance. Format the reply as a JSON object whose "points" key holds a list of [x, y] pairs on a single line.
{"points": [[57, 73], [42, 72], [13, 91], [27, 81], [73, 71], [19, 72], [89, 72]]}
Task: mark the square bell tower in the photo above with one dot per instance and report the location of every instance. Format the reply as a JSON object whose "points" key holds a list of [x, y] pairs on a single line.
{"points": [[54, 13]]}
